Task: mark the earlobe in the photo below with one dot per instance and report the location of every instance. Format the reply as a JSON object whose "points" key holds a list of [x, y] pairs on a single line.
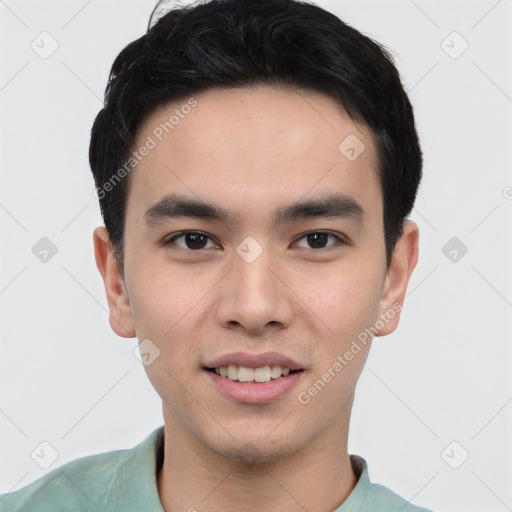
{"points": [[120, 317], [403, 262]]}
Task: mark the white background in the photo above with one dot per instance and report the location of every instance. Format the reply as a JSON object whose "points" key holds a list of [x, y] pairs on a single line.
{"points": [[443, 376]]}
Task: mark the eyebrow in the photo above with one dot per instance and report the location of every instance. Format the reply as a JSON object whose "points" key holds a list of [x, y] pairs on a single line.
{"points": [[334, 205]]}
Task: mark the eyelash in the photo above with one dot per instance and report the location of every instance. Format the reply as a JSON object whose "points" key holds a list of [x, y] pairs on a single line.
{"points": [[339, 239]]}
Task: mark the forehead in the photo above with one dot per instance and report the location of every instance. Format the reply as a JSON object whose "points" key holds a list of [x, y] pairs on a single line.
{"points": [[252, 147]]}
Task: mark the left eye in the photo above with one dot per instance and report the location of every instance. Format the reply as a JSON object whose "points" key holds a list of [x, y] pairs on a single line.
{"points": [[318, 239]]}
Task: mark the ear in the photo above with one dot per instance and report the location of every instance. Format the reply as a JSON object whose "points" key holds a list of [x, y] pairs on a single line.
{"points": [[120, 318], [403, 262]]}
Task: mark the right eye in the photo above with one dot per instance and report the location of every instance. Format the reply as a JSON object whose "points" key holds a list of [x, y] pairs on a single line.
{"points": [[191, 240]]}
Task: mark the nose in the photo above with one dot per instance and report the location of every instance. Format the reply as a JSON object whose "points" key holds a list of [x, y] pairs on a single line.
{"points": [[254, 297]]}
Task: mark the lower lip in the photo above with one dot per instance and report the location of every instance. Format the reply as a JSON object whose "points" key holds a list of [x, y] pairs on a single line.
{"points": [[254, 393]]}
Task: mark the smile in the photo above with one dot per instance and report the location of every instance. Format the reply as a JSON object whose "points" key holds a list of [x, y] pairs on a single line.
{"points": [[253, 391], [258, 375]]}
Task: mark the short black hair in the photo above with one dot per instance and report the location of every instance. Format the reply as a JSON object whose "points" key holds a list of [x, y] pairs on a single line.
{"points": [[237, 43]]}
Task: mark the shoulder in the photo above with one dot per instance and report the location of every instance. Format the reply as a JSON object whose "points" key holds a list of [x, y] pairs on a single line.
{"points": [[78, 483], [97, 482], [368, 495], [383, 499]]}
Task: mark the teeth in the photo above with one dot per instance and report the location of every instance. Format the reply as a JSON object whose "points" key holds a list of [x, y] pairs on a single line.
{"points": [[262, 374], [232, 372], [245, 374], [275, 371]]}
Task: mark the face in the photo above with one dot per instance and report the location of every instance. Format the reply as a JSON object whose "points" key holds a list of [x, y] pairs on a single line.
{"points": [[285, 268]]}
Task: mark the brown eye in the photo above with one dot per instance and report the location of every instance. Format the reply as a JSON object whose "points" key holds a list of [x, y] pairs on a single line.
{"points": [[319, 240], [192, 240], [195, 241]]}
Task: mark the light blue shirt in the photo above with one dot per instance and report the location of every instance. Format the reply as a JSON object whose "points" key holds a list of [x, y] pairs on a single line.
{"points": [[125, 481]]}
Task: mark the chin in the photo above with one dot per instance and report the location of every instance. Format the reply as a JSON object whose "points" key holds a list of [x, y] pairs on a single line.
{"points": [[256, 451], [251, 454]]}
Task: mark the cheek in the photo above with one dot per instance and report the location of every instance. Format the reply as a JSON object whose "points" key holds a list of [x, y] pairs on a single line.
{"points": [[344, 301], [165, 310], [164, 303]]}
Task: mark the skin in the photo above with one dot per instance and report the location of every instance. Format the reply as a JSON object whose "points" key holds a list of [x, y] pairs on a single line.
{"points": [[251, 150]]}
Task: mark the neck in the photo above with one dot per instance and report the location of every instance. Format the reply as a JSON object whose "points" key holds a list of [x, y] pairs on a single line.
{"points": [[317, 477]]}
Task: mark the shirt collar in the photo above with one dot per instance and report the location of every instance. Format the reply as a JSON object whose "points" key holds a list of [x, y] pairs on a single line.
{"points": [[136, 486], [360, 492]]}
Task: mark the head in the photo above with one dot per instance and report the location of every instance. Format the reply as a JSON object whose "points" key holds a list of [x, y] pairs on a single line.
{"points": [[248, 109]]}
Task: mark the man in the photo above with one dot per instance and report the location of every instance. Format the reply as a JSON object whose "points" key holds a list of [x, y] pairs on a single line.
{"points": [[255, 164]]}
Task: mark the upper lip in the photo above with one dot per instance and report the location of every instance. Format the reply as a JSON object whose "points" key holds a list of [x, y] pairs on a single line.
{"points": [[254, 360]]}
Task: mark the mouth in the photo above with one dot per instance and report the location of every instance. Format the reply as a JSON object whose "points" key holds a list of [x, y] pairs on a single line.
{"points": [[246, 385], [248, 375]]}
